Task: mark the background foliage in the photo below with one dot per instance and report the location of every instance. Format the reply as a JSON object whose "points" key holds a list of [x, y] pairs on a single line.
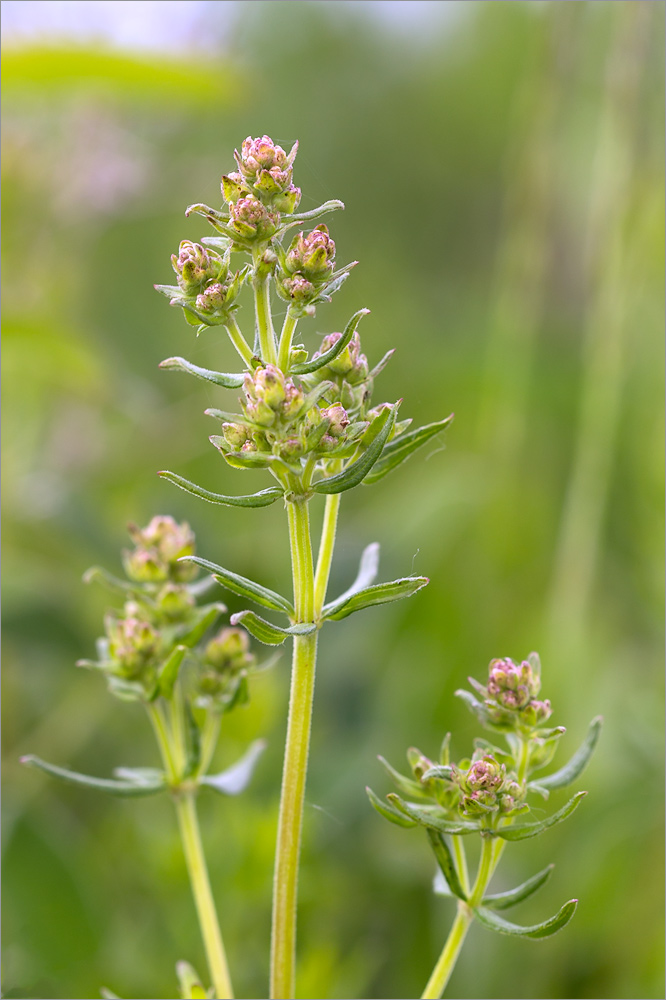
{"points": [[502, 171]]}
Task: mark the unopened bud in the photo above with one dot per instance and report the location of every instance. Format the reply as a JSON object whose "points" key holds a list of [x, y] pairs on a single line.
{"points": [[339, 419]]}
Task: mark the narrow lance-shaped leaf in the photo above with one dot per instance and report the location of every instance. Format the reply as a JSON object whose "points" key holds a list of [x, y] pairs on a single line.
{"points": [[244, 587], [523, 831], [571, 770], [457, 827], [169, 672], [406, 785], [329, 206], [261, 499], [380, 593], [367, 572], [392, 815], [190, 635], [496, 923], [219, 378], [503, 900], [236, 778], [97, 574], [400, 448], [446, 863], [338, 347], [129, 789], [266, 632], [374, 439]]}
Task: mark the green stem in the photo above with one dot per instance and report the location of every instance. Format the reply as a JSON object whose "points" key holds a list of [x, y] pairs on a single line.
{"points": [[326, 546], [449, 956], [239, 341], [290, 821], [209, 737], [203, 896], [447, 960], [461, 863], [286, 338], [163, 737], [262, 306]]}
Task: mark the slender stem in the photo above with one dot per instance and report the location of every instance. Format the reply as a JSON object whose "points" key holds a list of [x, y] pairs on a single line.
{"points": [[286, 338], [239, 341], [163, 737], [209, 737], [447, 960], [262, 306], [203, 896], [290, 821], [461, 863], [326, 547]]}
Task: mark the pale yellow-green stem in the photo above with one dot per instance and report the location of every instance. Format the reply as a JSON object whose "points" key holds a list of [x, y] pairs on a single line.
{"points": [[290, 821], [262, 306], [239, 341], [203, 896], [326, 547], [286, 339], [163, 738]]}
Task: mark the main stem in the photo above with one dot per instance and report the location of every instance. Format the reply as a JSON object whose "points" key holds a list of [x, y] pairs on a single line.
{"points": [[203, 896], [290, 821]]}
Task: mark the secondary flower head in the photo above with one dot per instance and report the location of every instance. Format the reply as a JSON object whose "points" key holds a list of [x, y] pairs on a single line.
{"points": [[133, 643], [265, 170], [311, 255], [159, 546], [194, 266], [512, 684]]}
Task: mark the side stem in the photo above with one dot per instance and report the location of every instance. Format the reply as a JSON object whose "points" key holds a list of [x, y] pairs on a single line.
{"points": [[203, 896], [290, 821], [286, 338], [262, 306], [239, 341]]}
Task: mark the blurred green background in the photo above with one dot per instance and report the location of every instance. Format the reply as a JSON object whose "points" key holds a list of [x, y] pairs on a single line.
{"points": [[502, 169]]}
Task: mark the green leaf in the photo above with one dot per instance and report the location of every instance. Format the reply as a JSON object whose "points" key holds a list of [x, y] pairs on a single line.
{"points": [[169, 672], [189, 982], [446, 863], [97, 574], [568, 774], [338, 347], [392, 815], [406, 785], [329, 206], [138, 775], [503, 900], [243, 587], [458, 827], [109, 785], [380, 593], [236, 778], [367, 571], [190, 634], [245, 459], [523, 831], [193, 742], [261, 499], [381, 365], [374, 440], [548, 927], [476, 707], [438, 771], [266, 632], [400, 448], [219, 378]]}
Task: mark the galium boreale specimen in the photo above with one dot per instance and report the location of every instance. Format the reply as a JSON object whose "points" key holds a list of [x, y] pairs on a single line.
{"points": [[483, 795]]}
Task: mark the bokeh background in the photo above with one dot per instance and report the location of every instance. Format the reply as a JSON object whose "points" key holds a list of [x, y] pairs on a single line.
{"points": [[502, 169]]}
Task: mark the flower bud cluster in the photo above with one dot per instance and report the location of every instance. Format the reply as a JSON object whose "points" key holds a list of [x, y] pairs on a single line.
{"points": [[486, 787], [158, 547], [226, 663], [160, 613], [306, 268], [349, 372], [511, 694], [206, 290], [278, 420], [265, 173]]}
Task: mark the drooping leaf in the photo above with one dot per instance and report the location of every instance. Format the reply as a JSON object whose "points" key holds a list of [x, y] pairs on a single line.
{"points": [[261, 499], [428, 819], [494, 922], [380, 593], [387, 811], [577, 764], [109, 785], [266, 632], [400, 448], [381, 365], [338, 347], [169, 672], [503, 900], [219, 378], [315, 213], [244, 587], [374, 440], [523, 831], [236, 778], [446, 862]]}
